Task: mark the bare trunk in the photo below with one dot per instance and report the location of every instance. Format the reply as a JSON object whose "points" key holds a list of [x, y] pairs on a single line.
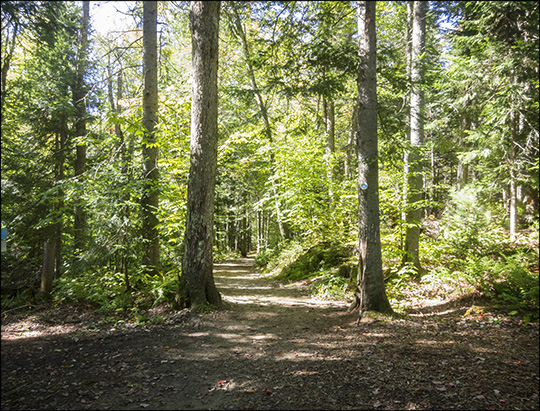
{"points": [[150, 198], [512, 161], [414, 177], [61, 139], [197, 287], [370, 293], [330, 131], [47, 275], [350, 157]]}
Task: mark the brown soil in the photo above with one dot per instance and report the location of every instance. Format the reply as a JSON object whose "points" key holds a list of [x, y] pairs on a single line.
{"points": [[271, 347]]}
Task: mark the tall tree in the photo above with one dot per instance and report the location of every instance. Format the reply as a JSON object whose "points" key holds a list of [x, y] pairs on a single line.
{"points": [[197, 287], [370, 293], [416, 129], [79, 101], [150, 198]]}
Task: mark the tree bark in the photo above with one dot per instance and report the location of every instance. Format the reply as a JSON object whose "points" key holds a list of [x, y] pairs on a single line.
{"points": [[413, 165], [79, 101], [60, 155], [47, 275], [197, 288], [150, 197], [350, 159], [370, 293], [330, 131]]}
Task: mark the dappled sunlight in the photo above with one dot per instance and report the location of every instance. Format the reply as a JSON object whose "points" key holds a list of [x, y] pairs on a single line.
{"points": [[282, 301], [244, 277], [222, 273], [275, 342], [252, 288], [36, 326]]}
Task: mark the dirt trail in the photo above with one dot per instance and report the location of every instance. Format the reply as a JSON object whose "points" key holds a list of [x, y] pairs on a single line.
{"points": [[271, 347]]}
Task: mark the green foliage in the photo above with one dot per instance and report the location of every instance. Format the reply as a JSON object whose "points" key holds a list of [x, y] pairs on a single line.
{"points": [[265, 256], [327, 262], [511, 280], [466, 223], [399, 279], [312, 261], [107, 290], [331, 287], [481, 113]]}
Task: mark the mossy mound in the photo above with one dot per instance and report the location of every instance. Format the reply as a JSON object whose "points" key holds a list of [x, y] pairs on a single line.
{"points": [[320, 257]]}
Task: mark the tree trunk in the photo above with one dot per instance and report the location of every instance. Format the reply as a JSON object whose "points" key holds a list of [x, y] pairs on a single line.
{"points": [[350, 159], [150, 197], [79, 101], [197, 287], [7, 55], [370, 293], [413, 166], [330, 131], [512, 172], [60, 148], [47, 275]]}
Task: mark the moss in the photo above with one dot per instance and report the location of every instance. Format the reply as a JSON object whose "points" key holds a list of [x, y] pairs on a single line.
{"points": [[321, 256]]}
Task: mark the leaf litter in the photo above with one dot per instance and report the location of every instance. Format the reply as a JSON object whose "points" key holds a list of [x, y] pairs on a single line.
{"points": [[271, 347]]}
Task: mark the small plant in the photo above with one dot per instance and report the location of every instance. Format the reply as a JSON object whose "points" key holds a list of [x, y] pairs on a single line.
{"points": [[332, 287]]}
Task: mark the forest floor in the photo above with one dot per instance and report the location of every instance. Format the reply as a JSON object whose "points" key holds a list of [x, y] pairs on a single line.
{"points": [[271, 347]]}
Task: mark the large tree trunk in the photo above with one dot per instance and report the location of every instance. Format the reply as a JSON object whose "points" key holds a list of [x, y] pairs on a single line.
{"points": [[197, 286], [370, 294], [413, 166], [150, 198], [79, 101]]}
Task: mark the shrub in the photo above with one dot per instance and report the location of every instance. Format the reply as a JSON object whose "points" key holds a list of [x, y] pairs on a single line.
{"points": [[331, 286], [511, 280]]}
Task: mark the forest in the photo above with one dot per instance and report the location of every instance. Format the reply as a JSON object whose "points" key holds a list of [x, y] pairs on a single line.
{"points": [[375, 154]]}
